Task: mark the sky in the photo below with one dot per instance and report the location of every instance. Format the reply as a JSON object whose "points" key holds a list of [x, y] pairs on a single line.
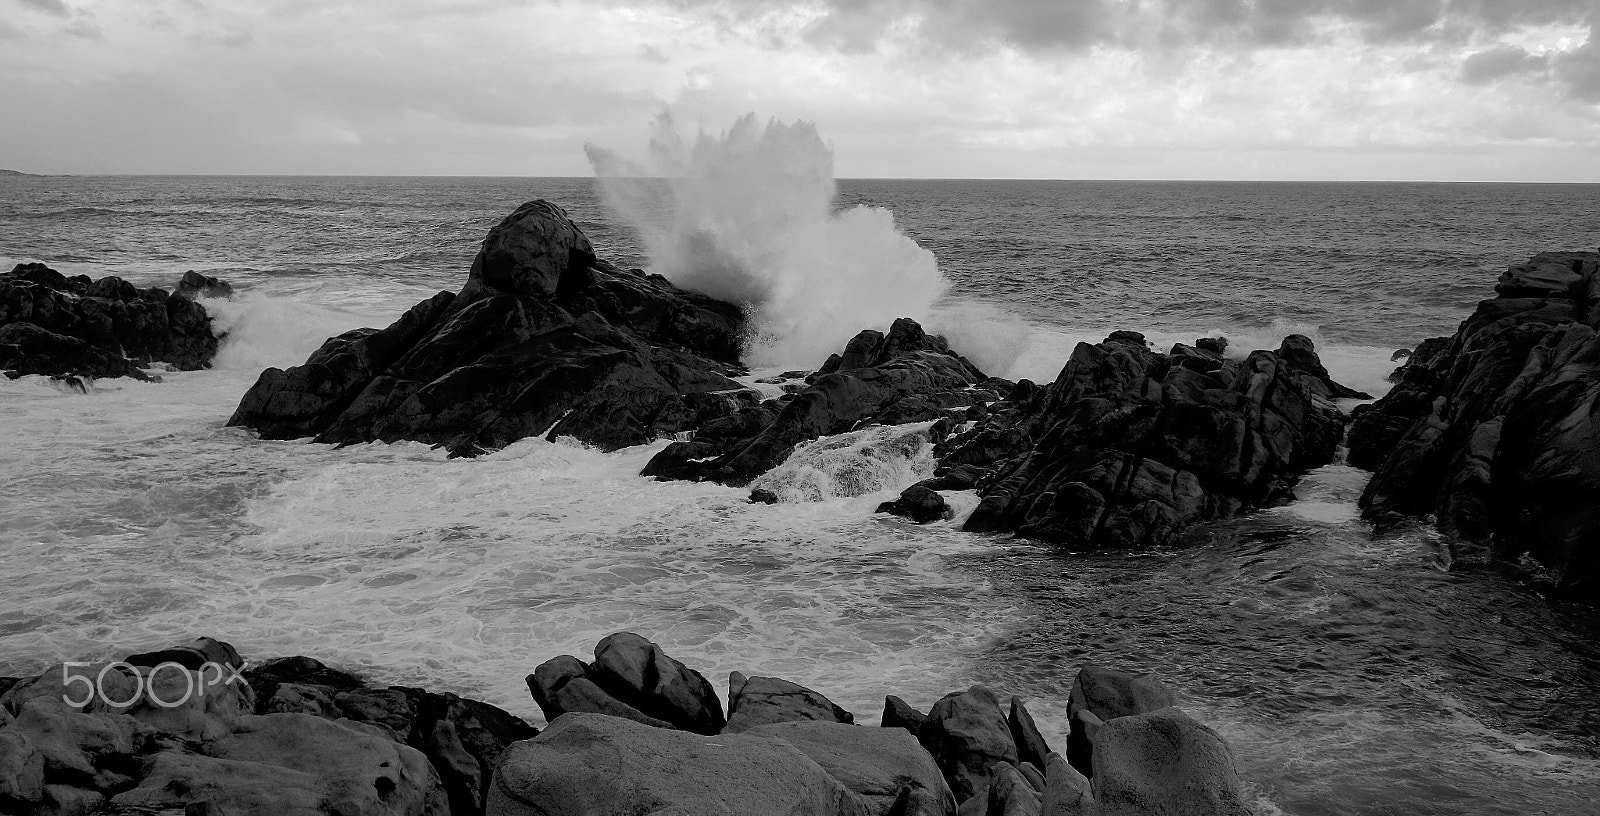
{"points": [[1449, 90]]}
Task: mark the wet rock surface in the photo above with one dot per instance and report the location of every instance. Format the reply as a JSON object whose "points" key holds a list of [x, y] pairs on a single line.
{"points": [[58, 326], [880, 379], [1129, 447], [543, 339], [1493, 430]]}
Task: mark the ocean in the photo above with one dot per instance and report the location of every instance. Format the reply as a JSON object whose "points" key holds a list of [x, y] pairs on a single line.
{"points": [[1352, 674]]}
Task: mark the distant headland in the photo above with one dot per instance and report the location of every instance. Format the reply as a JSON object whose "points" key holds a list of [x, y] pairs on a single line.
{"points": [[4, 172]]}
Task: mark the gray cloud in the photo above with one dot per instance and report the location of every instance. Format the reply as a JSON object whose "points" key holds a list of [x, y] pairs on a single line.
{"points": [[1485, 67], [1580, 68], [54, 7], [1039, 25]]}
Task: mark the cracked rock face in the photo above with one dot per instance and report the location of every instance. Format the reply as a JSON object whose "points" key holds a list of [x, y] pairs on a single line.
{"points": [[1128, 447], [1494, 430]]}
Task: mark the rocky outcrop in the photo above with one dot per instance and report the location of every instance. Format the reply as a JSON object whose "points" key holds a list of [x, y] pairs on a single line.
{"points": [[1129, 446], [543, 339], [920, 503], [966, 756], [1493, 430], [59, 326], [893, 378], [193, 727]]}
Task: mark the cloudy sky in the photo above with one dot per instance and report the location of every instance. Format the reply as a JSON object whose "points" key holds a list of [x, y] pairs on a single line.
{"points": [[1244, 89]]}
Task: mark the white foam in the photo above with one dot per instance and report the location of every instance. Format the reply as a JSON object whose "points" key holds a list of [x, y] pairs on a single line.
{"points": [[873, 460], [746, 216]]}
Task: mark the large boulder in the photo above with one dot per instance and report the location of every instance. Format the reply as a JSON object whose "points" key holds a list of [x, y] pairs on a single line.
{"points": [[1129, 447], [59, 326], [863, 386], [1100, 695], [887, 768], [591, 764], [1493, 430], [967, 734], [543, 339], [631, 678], [754, 701], [1164, 764]]}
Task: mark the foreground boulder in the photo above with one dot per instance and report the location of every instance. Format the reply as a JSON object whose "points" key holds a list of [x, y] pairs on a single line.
{"points": [[59, 326], [1128, 446], [631, 678], [592, 764], [904, 376], [1164, 764], [193, 727], [1493, 430], [543, 339]]}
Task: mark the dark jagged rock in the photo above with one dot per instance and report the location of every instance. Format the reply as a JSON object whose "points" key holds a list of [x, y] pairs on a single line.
{"points": [[632, 678], [889, 376], [1128, 446], [918, 503], [195, 286], [543, 339], [1493, 431], [58, 326], [1031, 746]]}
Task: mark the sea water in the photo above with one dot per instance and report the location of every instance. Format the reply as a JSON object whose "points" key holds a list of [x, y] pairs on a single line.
{"points": [[1352, 674]]}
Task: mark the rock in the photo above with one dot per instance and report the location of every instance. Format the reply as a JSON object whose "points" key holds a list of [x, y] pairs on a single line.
{"points": [[591, 764], [203, 653], [1164, 764], [1492, 431], [79, 748], [889, 769], [919, 504], [637, 672], [1100, 695], [875, 372], [21, 771], [59, 326], [897, 713], [1011, 795], [1031, 746], [755, 701], [194, 286], [1128, 447], [357, 768], [762, 495], [967, 735], [1300, 355], [66, 800], [1066, 792], [542, 339], [175, 779], [1215, 345]]}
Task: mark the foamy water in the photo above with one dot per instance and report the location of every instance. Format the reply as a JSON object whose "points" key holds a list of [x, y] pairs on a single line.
{"points": [[1351, 673]]}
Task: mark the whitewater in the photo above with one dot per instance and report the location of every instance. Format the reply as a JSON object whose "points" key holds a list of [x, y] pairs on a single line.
{"points": [[1351, 674]]}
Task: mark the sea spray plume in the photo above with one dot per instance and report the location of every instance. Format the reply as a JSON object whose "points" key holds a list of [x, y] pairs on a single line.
{"points": [[747, 216]]}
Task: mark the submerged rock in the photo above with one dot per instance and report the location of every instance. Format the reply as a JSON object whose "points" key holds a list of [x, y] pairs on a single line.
{"points": [[918, 503], [58, 326], [1493, 430], [543, 339], [1128, 446]]}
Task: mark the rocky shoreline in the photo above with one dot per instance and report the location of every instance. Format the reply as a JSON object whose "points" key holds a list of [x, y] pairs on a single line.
{"points": [[197, 730], [74, 328]]}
